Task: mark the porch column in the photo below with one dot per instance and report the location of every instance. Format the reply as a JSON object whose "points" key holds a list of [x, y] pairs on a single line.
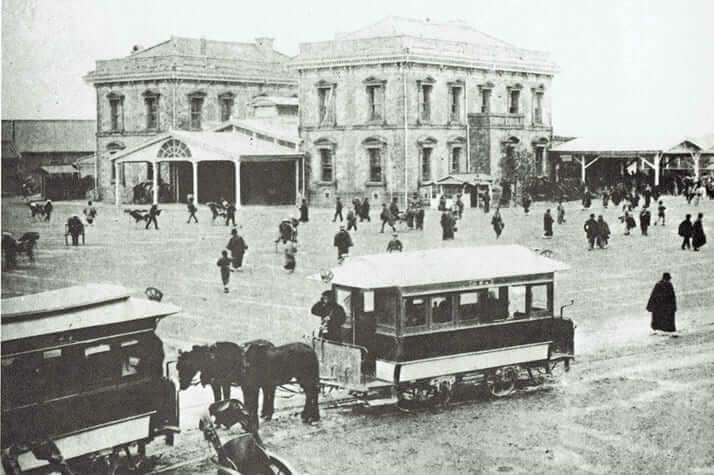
{"points": [[194, 170], [116, 183], [155, 180], [657, 161], [696, 157], [237, 167], [582, 168], [302, 169], [297, 180]]}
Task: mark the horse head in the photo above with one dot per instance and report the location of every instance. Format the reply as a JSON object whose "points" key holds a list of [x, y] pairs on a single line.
{"points": [[189, 363]]}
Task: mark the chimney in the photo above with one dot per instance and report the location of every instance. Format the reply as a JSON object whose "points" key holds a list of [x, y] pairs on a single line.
{"points": [[203, 46], [265, 44]]}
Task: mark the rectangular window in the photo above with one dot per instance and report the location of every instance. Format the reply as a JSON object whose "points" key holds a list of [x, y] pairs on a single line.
{"points": [[455, 103], [470, 305], [514, 97], [326, 101], [325, 165], [375, 98], [538, 109], [426, 164], [425, 105], [115, 114], [485, 101], [375, 165], [455, 160], [539, 161], [152, 112], [415, 309], [226, 109], [385, 307], [441, 309], [495, 306], [196, 107]]}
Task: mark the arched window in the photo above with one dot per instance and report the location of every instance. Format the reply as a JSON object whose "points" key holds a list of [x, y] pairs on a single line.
{"points": [[326, 151], [174, 149], [426, 148], [375, 147], [456, 147]]}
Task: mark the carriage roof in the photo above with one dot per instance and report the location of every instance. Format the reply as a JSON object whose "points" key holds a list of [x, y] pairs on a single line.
{"points": [[435, 266], [75, 308]]}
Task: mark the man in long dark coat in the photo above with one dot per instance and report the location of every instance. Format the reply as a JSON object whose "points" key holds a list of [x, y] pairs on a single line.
{"points": [[685, 230], [364, 215], [447, 226], [663, 305], [332, 314], [342, 242], [304, 217], [237, 246], [592, 230], [548, 224], [486, 202], [698, 236]]}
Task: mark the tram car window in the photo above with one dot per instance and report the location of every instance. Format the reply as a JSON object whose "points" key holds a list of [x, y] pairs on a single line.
{"points": [[441, 309], [415, 310], [470, 305], [385, 303]]}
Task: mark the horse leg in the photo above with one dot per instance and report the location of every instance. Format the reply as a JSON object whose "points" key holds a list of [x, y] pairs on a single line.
{"points": [[250, 396], [268, 402], [216, 392]]}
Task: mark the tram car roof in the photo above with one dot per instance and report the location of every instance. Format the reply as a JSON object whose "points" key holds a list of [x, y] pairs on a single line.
{"points": [[435, 266], [75, 308]]}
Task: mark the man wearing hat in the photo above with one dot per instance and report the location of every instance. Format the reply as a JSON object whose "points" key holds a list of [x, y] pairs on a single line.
{"points": [[663, 305], [395, 244], [332, 314], [237, 246], [342, 242]]}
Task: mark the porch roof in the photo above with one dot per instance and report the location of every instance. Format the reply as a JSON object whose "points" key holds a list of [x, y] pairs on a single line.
{"points": [[207, 146], [59, 169], [462, 179], [611, 147]]}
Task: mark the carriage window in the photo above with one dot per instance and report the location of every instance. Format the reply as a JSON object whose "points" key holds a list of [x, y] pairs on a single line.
{"points": [[538, 300], [470, 303], [130, 360], [102, 363], [517, 307], [415, 309], [385, 307], [440, 309], [344, 299], [368, 305], [496, 305]]}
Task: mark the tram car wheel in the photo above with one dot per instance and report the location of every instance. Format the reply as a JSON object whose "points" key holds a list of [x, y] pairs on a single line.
{"points": [[501, 382]]}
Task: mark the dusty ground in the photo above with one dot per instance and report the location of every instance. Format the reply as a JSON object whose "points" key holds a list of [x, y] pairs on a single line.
{"points": [[632, 403]]}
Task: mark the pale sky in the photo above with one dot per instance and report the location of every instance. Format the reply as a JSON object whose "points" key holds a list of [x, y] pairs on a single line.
{"points": [[635, 68]]}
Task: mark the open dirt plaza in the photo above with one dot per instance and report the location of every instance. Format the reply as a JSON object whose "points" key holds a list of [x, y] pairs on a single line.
{"points": [[632, 402]]}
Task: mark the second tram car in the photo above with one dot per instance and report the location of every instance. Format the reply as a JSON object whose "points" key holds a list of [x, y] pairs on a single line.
{"points": [[421, 322], [83, 380]]}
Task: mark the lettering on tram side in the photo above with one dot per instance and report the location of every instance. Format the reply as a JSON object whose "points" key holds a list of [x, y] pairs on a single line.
{"points": [[471, 284]]}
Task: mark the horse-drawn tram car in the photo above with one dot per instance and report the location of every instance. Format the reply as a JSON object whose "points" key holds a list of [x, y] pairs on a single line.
{"points": [[420, 323], [83, 381]]}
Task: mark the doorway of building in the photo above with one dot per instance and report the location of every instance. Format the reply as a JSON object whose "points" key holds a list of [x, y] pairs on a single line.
{"points": [[216, 181], [181, 181], [268, 183]]}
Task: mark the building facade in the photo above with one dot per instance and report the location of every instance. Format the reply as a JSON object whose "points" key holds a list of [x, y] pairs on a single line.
{"points": [[180, 84], [402, 103]]}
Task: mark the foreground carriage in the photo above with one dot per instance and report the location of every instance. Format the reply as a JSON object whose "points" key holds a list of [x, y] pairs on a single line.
{"points": [[421, 323], [83, 380]]}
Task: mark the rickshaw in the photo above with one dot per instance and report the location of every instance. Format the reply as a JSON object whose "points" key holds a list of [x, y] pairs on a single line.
{"points": [[83, 381], [419, 324]]}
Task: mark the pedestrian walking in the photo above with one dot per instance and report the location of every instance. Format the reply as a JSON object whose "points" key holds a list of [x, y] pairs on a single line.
{"points": [[648, 196], [90, 213], [645, 218], [447, 225], [603, 236], [459, 205], [357, 206], [224, 263], [526, 202], [629, 222], [698, 237], [230, 213], [386, 218], [592, 230], [419, 218], [486, 202], [365, 210], [605, 197], [290, 252], [48, 210], [237, 246], [304, 211], [154, 211], [285, 232], [547, 224], [661, 208], [497, 222], [587, 198], [342, 242], [191, 211], [351, 220], [75, 228], [663, 306], [561, 212], [394, 245], [394, 209], [338, 210], [685, 231]]}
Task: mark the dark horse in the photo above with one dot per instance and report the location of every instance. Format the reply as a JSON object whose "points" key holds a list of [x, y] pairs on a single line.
{"points": [[267, 367], [220, 365]]}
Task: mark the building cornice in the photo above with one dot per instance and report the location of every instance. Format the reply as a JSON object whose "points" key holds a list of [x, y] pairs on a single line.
{"points": [[99, 79], [545, 68]]}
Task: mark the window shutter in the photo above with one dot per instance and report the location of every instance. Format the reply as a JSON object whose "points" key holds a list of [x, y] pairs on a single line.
{"points": [[422, 108]]}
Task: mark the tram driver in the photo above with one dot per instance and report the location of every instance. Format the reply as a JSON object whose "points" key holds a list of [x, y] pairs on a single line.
{"points": [[332, 315]]}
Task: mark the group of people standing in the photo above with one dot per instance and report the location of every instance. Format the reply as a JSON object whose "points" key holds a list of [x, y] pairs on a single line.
{"points": [[692, 233]]}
